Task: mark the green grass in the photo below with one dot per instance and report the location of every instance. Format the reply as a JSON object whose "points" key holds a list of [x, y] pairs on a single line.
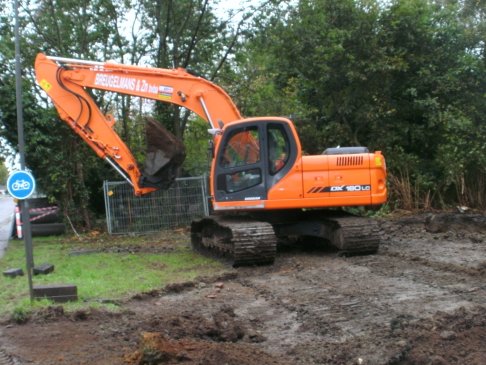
{"points": [[101, 277]]}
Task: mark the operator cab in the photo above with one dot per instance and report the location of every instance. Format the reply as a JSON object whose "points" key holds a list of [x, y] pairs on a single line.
{"points": [[252, 157]]}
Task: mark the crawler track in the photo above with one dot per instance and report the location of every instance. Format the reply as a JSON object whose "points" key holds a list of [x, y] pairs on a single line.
{"points": [[351, 235], [354, 235], [240, 240], [244, 241]]}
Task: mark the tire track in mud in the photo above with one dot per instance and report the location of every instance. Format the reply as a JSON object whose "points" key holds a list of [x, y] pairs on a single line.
{"points": [[357, 308], [312, 307], [329, 318], [275, 318], [6, 359], [457, 268], [476, 269], [453, 259], [333, 295]]}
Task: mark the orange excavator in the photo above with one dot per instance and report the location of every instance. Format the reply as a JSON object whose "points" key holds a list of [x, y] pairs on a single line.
{"points": [[262, 187]]}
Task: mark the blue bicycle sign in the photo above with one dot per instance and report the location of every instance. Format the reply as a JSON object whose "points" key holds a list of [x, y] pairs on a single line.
{"points": [[21, 184]]}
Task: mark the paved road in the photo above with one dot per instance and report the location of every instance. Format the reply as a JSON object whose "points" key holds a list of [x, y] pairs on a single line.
{"points": [[6, 215]]}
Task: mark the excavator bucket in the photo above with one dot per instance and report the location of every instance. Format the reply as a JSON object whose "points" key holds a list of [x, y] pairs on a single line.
{"points": [[165, 154]]}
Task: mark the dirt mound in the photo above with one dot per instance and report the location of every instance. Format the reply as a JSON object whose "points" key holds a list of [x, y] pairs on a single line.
{"points": [[223, 326], [451, 226], [157, 349], [456, 338], [456, 222]]}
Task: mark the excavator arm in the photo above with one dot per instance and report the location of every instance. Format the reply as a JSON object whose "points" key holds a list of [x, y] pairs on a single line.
{"points": [[67, 82]]}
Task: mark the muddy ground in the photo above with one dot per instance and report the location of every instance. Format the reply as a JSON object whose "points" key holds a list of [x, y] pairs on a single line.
{"points": [[420, 300]]}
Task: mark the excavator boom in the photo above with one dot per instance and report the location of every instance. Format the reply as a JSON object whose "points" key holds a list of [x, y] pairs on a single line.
{"points": [[67, 81]]}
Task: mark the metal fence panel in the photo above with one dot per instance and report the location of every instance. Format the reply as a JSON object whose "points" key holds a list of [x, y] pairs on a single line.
{"points": [[175, 207]]}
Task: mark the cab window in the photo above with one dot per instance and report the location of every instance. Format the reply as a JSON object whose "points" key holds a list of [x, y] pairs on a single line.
{"points": [[243, 148], [278, 148], [242, 180]]}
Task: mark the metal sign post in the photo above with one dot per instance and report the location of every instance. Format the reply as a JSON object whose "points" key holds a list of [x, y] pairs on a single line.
{"points": [[24, 205]]}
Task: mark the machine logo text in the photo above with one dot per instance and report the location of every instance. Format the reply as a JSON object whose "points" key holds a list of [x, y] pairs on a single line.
{"points": [[339, 189]]}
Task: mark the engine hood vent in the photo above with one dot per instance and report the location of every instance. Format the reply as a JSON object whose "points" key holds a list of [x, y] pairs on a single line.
{"points": [[349, 161]]}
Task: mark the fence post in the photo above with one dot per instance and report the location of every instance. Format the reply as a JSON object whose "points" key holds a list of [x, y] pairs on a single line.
{"points": [[107, 206], [204, 194]]}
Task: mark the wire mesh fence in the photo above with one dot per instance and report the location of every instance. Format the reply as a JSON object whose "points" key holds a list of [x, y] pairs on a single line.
{"points": [[175, 207]]}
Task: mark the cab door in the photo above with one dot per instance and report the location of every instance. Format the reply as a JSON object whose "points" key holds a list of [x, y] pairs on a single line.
{"points": [[240, 170]]}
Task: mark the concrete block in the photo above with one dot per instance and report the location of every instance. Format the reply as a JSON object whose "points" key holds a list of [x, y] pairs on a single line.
{"points": [[13, 272], [43, 269], [57, 292]]}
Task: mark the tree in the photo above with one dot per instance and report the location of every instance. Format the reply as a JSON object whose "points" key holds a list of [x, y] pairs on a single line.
{"points": [[188, 34], [405, 77], [322, 60], [65, 169], [163, 33], [436, 93], [3, 173]]}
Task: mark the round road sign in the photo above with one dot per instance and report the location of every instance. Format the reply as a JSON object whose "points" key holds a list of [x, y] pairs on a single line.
{"points": [[21, 184]]}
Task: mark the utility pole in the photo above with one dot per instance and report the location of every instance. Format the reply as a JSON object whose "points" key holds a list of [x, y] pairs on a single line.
{"points": [[24, 204]]}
